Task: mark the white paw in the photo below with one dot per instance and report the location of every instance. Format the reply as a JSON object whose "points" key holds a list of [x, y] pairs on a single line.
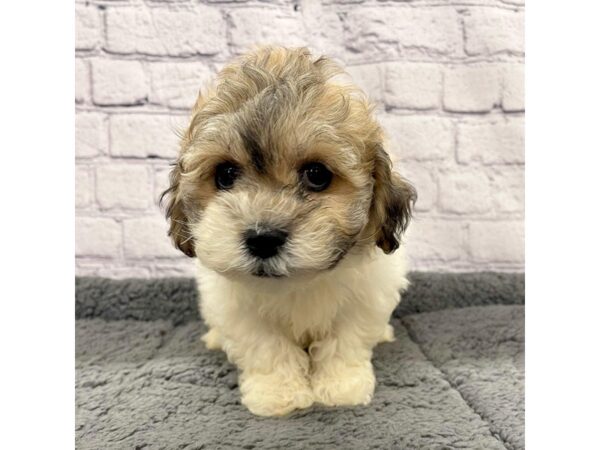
{"points": [[212, 339], [388, 334], [337, 384], [275, 394]]}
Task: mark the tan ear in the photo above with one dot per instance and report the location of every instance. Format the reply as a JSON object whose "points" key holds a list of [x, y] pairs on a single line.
{"points": [[391, 207], [178, 221]]}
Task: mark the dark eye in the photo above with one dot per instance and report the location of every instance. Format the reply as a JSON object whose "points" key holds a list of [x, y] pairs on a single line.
{"points": [[315, 176], [225, 175]]}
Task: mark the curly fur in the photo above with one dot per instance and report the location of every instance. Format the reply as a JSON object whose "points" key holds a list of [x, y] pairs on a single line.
{"points": [[306, 331]]}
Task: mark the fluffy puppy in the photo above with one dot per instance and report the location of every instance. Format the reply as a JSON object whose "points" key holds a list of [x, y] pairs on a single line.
{"points": [[285, 195]]}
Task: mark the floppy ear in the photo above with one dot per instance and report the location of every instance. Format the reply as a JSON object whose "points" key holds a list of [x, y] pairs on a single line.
{"points": [[391, 207], [178, 221]]}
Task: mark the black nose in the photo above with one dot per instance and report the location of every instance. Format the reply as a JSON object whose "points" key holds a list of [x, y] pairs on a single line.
{"points": [[264, 244]]}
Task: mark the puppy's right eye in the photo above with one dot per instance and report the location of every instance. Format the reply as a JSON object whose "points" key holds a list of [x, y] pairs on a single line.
{"points": [[315, 176], [225, 175]]}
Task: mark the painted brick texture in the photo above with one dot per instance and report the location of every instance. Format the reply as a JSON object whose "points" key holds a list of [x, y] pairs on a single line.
{"points": [[446, 78]]}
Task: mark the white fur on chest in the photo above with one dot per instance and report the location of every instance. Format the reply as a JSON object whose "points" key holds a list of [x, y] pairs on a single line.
{"points": [[363, 289]]}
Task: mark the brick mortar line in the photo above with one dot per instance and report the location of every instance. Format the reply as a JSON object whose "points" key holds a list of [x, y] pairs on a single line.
{"points": [[335, 6], [99, 53], [156, 110]]}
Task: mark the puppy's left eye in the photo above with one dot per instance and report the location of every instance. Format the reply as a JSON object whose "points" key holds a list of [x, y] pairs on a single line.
{"points": [[226, 174], [315, 176]]}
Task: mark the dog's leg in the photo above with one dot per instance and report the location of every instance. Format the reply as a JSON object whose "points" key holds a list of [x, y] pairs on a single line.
{"points": [[343, 374], [274, 372], [388, 334], [211, 339]]}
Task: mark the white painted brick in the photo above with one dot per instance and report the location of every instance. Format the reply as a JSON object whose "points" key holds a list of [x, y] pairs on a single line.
{"points": [[368, 77], [262, 26], [82, 81], [465, 191], [413, 85], [197, 30], [97, 236], [429, 239], [513, 88], [176, 268], [344, 2], [489, 31], [380, 33], [325, 37], [472, 88], [424, 180], [88, 27], [144, 135], [497, 241], [84, 269], [419, 138], [133, 271], [91, 134], [508, 189], [491, 142], [147, 237], [83, 187], [114, 270], [177, 85], [311, 12], [117, 82], [123, 186]]}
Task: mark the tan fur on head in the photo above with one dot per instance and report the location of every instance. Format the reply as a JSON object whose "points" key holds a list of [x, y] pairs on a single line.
{"points": [[270, 113]]}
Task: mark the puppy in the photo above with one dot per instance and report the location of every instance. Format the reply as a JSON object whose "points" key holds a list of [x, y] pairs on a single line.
{"points": [[284, 193]]}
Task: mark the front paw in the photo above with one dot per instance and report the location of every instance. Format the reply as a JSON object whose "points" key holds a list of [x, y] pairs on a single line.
{"points": [[336, 383], [275, 394], [212, 339]]}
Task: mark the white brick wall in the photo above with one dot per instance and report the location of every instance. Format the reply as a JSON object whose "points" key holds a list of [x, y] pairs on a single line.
{"points": [[447, 78]]}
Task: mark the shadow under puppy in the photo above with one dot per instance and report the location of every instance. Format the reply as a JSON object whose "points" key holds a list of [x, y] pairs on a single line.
{"points": [[284, 193]]}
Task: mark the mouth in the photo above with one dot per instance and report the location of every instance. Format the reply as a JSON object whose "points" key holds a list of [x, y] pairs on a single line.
{"points": [[262, 273], [266, 269]]}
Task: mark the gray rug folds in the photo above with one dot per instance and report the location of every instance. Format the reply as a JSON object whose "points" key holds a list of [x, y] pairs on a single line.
{"points": [[454, 377]]}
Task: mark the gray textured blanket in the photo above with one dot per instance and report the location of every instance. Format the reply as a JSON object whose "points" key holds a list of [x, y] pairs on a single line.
{"points": [[452, 379]]}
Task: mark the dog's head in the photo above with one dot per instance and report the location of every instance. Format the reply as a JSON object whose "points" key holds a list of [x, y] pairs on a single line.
{"points": [[282, 171]]}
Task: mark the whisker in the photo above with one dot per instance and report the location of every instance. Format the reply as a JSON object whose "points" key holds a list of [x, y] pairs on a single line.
{"points": [[187, 240]]}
